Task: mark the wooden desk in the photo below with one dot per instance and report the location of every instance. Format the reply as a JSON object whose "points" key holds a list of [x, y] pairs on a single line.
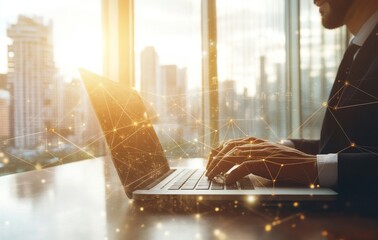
{"points": [[84, 200]]}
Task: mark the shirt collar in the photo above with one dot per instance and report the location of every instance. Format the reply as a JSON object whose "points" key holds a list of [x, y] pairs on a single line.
{"points": [[365, 30]]}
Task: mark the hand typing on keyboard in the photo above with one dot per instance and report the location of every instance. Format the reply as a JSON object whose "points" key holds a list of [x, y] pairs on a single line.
{"points": [[270, 160]]}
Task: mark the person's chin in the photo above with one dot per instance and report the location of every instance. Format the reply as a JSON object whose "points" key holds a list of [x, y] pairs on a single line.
{"points": [[329, 24]]}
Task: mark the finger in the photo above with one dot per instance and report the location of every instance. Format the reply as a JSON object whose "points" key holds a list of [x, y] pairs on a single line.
{"points": [[210, 166], [253, 152], [254, 140], [239, 154], [215, 152], [230, 146], [234, 152], [238, 173], [227, 148], [221, 167], [213, 163], [228, 161]]}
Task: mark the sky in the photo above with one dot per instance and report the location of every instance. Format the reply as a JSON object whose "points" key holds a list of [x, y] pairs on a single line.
{"points": [[76, 32], [173, 27]]}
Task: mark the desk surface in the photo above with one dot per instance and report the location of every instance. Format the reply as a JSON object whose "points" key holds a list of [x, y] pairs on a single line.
{"points": [[85, 200]]}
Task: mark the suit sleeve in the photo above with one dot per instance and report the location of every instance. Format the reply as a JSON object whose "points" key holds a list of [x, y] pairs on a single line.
{"points": [[358, 173], [306, 146]]}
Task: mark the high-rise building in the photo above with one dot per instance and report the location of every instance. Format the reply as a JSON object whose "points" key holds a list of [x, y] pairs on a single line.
{"points": [[227, 100], [150, 84], [172, 108], [4, 109], [31, 74], [164, 89], [173, 90], [3, 81], [4, 116], [72, 112]]}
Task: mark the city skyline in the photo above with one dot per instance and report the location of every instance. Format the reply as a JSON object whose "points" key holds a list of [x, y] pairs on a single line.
{"points": [[255, 95], [78, 40], [44, 120], [78, 31]]}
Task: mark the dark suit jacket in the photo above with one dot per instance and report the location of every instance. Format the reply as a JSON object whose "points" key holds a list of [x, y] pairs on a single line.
{"points": [[351, 130]]}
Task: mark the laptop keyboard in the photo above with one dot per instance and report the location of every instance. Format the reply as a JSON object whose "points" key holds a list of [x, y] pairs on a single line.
{"points": [[195, 179]]}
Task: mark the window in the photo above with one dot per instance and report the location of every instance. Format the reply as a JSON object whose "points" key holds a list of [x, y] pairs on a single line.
{"points": [[168, 71], [252, 69], [268, 79], [320, 53], [272, 79], [45, 119], [208, 70]]}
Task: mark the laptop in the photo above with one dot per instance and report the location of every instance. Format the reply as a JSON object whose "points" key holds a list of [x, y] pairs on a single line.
{"points": [[143, 168]]}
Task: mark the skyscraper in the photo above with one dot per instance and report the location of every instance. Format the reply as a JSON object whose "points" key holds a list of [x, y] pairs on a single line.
{"points": [[173, 90], [4, 109], [4, 116], [73, 121], [3, 81], [31, 73], [150, 80]]}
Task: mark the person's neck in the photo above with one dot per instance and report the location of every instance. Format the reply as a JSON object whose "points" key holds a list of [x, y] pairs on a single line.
{"points": [[360, 12]]}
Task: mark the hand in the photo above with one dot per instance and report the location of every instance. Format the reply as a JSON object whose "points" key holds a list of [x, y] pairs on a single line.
{"points": [[260, 157]]}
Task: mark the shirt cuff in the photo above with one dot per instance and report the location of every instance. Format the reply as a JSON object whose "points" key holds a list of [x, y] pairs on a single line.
{"points": [[327, 169]]}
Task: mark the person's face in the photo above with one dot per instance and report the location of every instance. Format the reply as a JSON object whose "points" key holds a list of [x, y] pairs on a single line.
{"points": [[333, 12]]}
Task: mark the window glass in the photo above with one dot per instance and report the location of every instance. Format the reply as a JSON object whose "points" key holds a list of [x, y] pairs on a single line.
{"points": [[168, 71], [255, 92], [45, 117], [321, 51], [251, 63]]}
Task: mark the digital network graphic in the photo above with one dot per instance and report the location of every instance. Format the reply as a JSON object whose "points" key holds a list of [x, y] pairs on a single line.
{"points": [[120, 120]]}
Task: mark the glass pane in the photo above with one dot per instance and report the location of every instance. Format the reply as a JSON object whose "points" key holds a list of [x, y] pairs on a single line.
{"points": [[168, 71], [321, 51], [251, 63], [45, 117], [255, 97]]}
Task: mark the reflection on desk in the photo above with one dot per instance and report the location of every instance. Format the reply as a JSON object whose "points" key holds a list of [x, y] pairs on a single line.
{"points": [[85, 200]]}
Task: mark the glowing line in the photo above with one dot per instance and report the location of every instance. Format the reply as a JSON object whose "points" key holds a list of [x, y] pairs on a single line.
{"points": [[76, 145], [338, 123], [358, 105]]}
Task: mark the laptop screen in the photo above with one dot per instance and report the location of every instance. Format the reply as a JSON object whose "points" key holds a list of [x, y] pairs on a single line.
{"points": [[136, 151]]}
